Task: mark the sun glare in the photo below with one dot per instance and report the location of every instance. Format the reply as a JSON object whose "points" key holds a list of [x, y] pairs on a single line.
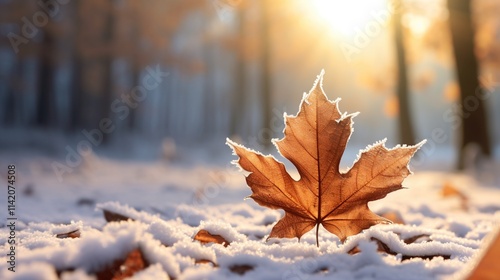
{"points": [[346, 17]]}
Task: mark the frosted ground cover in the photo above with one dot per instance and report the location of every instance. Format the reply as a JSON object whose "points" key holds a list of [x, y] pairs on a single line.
{"points": [[170, 203]]}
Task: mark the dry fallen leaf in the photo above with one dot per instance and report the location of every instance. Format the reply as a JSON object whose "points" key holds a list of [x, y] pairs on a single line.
{"points": [[420, 238], [314, 142], [449, 190], [206, 237], [121, 269], [118, 269], [72, 234], [111, 216], [240, 268]]}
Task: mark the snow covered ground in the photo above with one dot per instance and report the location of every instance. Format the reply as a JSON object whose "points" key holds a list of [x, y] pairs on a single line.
{"points": [[170, 202]]}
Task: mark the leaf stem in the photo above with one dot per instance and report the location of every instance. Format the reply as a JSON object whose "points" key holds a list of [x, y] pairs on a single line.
{"points": [[320, 193], [317, 231]]}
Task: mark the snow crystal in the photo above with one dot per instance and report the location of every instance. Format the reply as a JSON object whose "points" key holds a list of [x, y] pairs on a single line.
{"points": [[168, 233]]}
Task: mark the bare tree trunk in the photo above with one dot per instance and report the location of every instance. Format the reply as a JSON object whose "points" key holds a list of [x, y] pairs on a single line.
{"points": [[107, 61], [131, 120], [45, 108], [474, 120], [238, 94], [45, 102], [405, 123], [209, 126], [266, 98], [16, 80], [77, 93]]}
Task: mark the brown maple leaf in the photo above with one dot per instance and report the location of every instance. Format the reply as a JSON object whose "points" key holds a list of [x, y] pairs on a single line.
{"points": [[314, 142], [206, 237]]}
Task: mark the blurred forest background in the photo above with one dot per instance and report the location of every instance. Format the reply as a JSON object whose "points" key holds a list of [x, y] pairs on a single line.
{"points": [[189, 73]]}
